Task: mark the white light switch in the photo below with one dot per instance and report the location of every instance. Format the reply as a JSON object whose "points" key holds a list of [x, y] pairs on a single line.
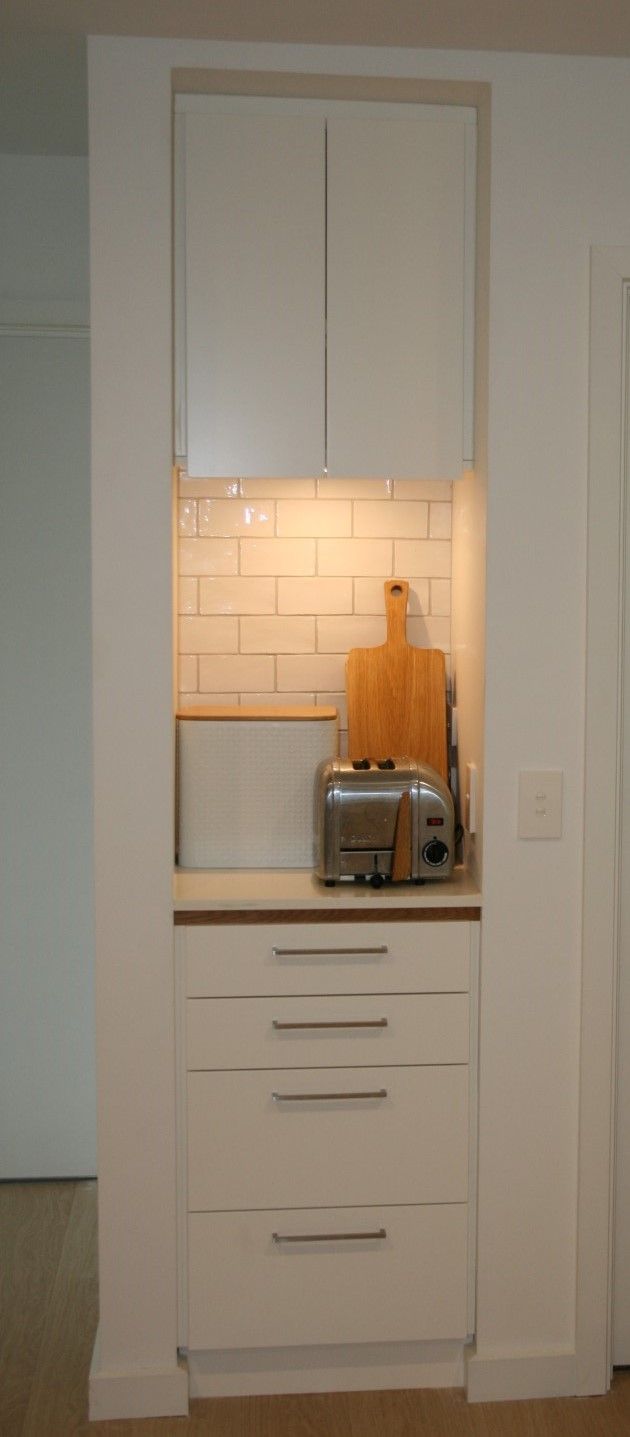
{"points": [[540, 803]]}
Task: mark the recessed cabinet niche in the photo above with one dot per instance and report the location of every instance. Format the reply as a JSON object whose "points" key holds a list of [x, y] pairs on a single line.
{"points": [[324, 288]]}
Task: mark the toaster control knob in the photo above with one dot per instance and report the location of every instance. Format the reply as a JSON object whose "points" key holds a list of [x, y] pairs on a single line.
{"points": [[435, 853]]}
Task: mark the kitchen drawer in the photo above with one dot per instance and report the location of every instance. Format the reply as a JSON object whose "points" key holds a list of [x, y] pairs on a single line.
{"points": [[406, 1142], [336, 1031], [248, 1290], [232, 960]]}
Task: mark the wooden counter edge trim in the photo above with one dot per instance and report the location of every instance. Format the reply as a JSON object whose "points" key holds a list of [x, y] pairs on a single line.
{"points": [[199, 916]]}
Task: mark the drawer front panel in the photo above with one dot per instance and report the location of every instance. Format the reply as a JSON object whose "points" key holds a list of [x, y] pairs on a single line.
{"points": [[248, 1290], [225, 961], [327, 1031], [328, 1137]]}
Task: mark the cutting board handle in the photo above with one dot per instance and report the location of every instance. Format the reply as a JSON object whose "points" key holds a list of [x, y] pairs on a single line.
{"points": [[396, 596]]}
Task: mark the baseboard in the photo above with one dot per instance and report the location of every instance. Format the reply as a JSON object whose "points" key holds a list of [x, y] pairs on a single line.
{"points": [[140, 1392], [503, 1378], [362, 1368]]}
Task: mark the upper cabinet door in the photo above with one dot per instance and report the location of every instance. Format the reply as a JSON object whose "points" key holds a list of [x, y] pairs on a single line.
{"points": [[255, 293], [395, 285]]}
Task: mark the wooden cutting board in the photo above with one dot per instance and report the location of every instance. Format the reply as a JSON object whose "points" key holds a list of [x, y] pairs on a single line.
{"points": [[397, 693]]}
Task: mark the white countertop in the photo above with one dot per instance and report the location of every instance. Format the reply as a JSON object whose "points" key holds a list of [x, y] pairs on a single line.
{"points": [[258, 888]]}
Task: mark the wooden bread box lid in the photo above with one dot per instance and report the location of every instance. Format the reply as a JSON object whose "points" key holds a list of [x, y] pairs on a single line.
{"points": [[260, 712]]}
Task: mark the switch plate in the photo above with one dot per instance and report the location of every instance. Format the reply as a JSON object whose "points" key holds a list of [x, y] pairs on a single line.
{"points": [[540, 803]]}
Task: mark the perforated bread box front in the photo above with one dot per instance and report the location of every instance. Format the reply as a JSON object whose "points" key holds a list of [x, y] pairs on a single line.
{"points": [[245, 781]]}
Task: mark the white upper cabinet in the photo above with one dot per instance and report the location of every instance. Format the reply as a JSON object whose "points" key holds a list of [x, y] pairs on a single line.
{"points": [[255, 287], [324, 289], [395, 242]]}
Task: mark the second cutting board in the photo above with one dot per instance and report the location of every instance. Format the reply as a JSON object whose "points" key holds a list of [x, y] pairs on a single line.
{"points": [[397, 693]]}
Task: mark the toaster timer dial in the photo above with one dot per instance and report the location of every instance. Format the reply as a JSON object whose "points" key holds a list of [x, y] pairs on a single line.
{"points": [[435, 853]]}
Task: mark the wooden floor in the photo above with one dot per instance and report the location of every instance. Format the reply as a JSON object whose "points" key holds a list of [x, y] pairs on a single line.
{"points": [[48, 1312]]}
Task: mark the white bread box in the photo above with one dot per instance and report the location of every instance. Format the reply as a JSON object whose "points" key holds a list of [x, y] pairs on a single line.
{"points": [[245, 784]]}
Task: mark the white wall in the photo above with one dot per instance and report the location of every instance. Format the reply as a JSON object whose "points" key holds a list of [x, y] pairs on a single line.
{"points": [[559, 183], [44, 247], [47, 1079]]}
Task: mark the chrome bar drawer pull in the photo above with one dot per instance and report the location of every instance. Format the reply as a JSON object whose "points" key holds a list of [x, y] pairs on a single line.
{"points": [[326, 1097], [328, 952], [282, 1027], [377, 1236]]}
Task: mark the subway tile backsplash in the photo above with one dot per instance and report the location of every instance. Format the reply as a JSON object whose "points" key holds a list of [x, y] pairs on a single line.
{"points": [[278, 578]]}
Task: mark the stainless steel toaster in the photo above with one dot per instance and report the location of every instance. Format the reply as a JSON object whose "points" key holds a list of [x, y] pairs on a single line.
{"points": [[356, 810]]}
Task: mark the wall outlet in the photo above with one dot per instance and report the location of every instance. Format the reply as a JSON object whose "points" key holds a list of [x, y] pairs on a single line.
{"points": [[540, 803], [470, 799]]}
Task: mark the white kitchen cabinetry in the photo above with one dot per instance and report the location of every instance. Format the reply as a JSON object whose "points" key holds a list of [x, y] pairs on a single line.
{"points": [[325, 1111], [395, 276], [253, 1285], [255, 277], [324, 309]]}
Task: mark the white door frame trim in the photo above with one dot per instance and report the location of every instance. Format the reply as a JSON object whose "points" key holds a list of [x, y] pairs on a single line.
{"points": [[610, 286]]}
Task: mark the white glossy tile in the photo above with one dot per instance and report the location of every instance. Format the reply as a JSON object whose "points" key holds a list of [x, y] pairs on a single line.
{"points": [[188, 596], [369, 596], [430, 633], [354, 488], [278, 488], [209, 488], [208, 636], [337, 701], [187, 517], [337, 636], [193, 701], [315, 596], [187, 674], [350, 557], [428, 558], [390, 521], [314, 672], [277, 700], [208, 556], [277, 635], [237, 596], [296, 518], [235, 517], [440, 597], [343, 743], [440, 521], [426, 489], [278, 556], [244, 673]]}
